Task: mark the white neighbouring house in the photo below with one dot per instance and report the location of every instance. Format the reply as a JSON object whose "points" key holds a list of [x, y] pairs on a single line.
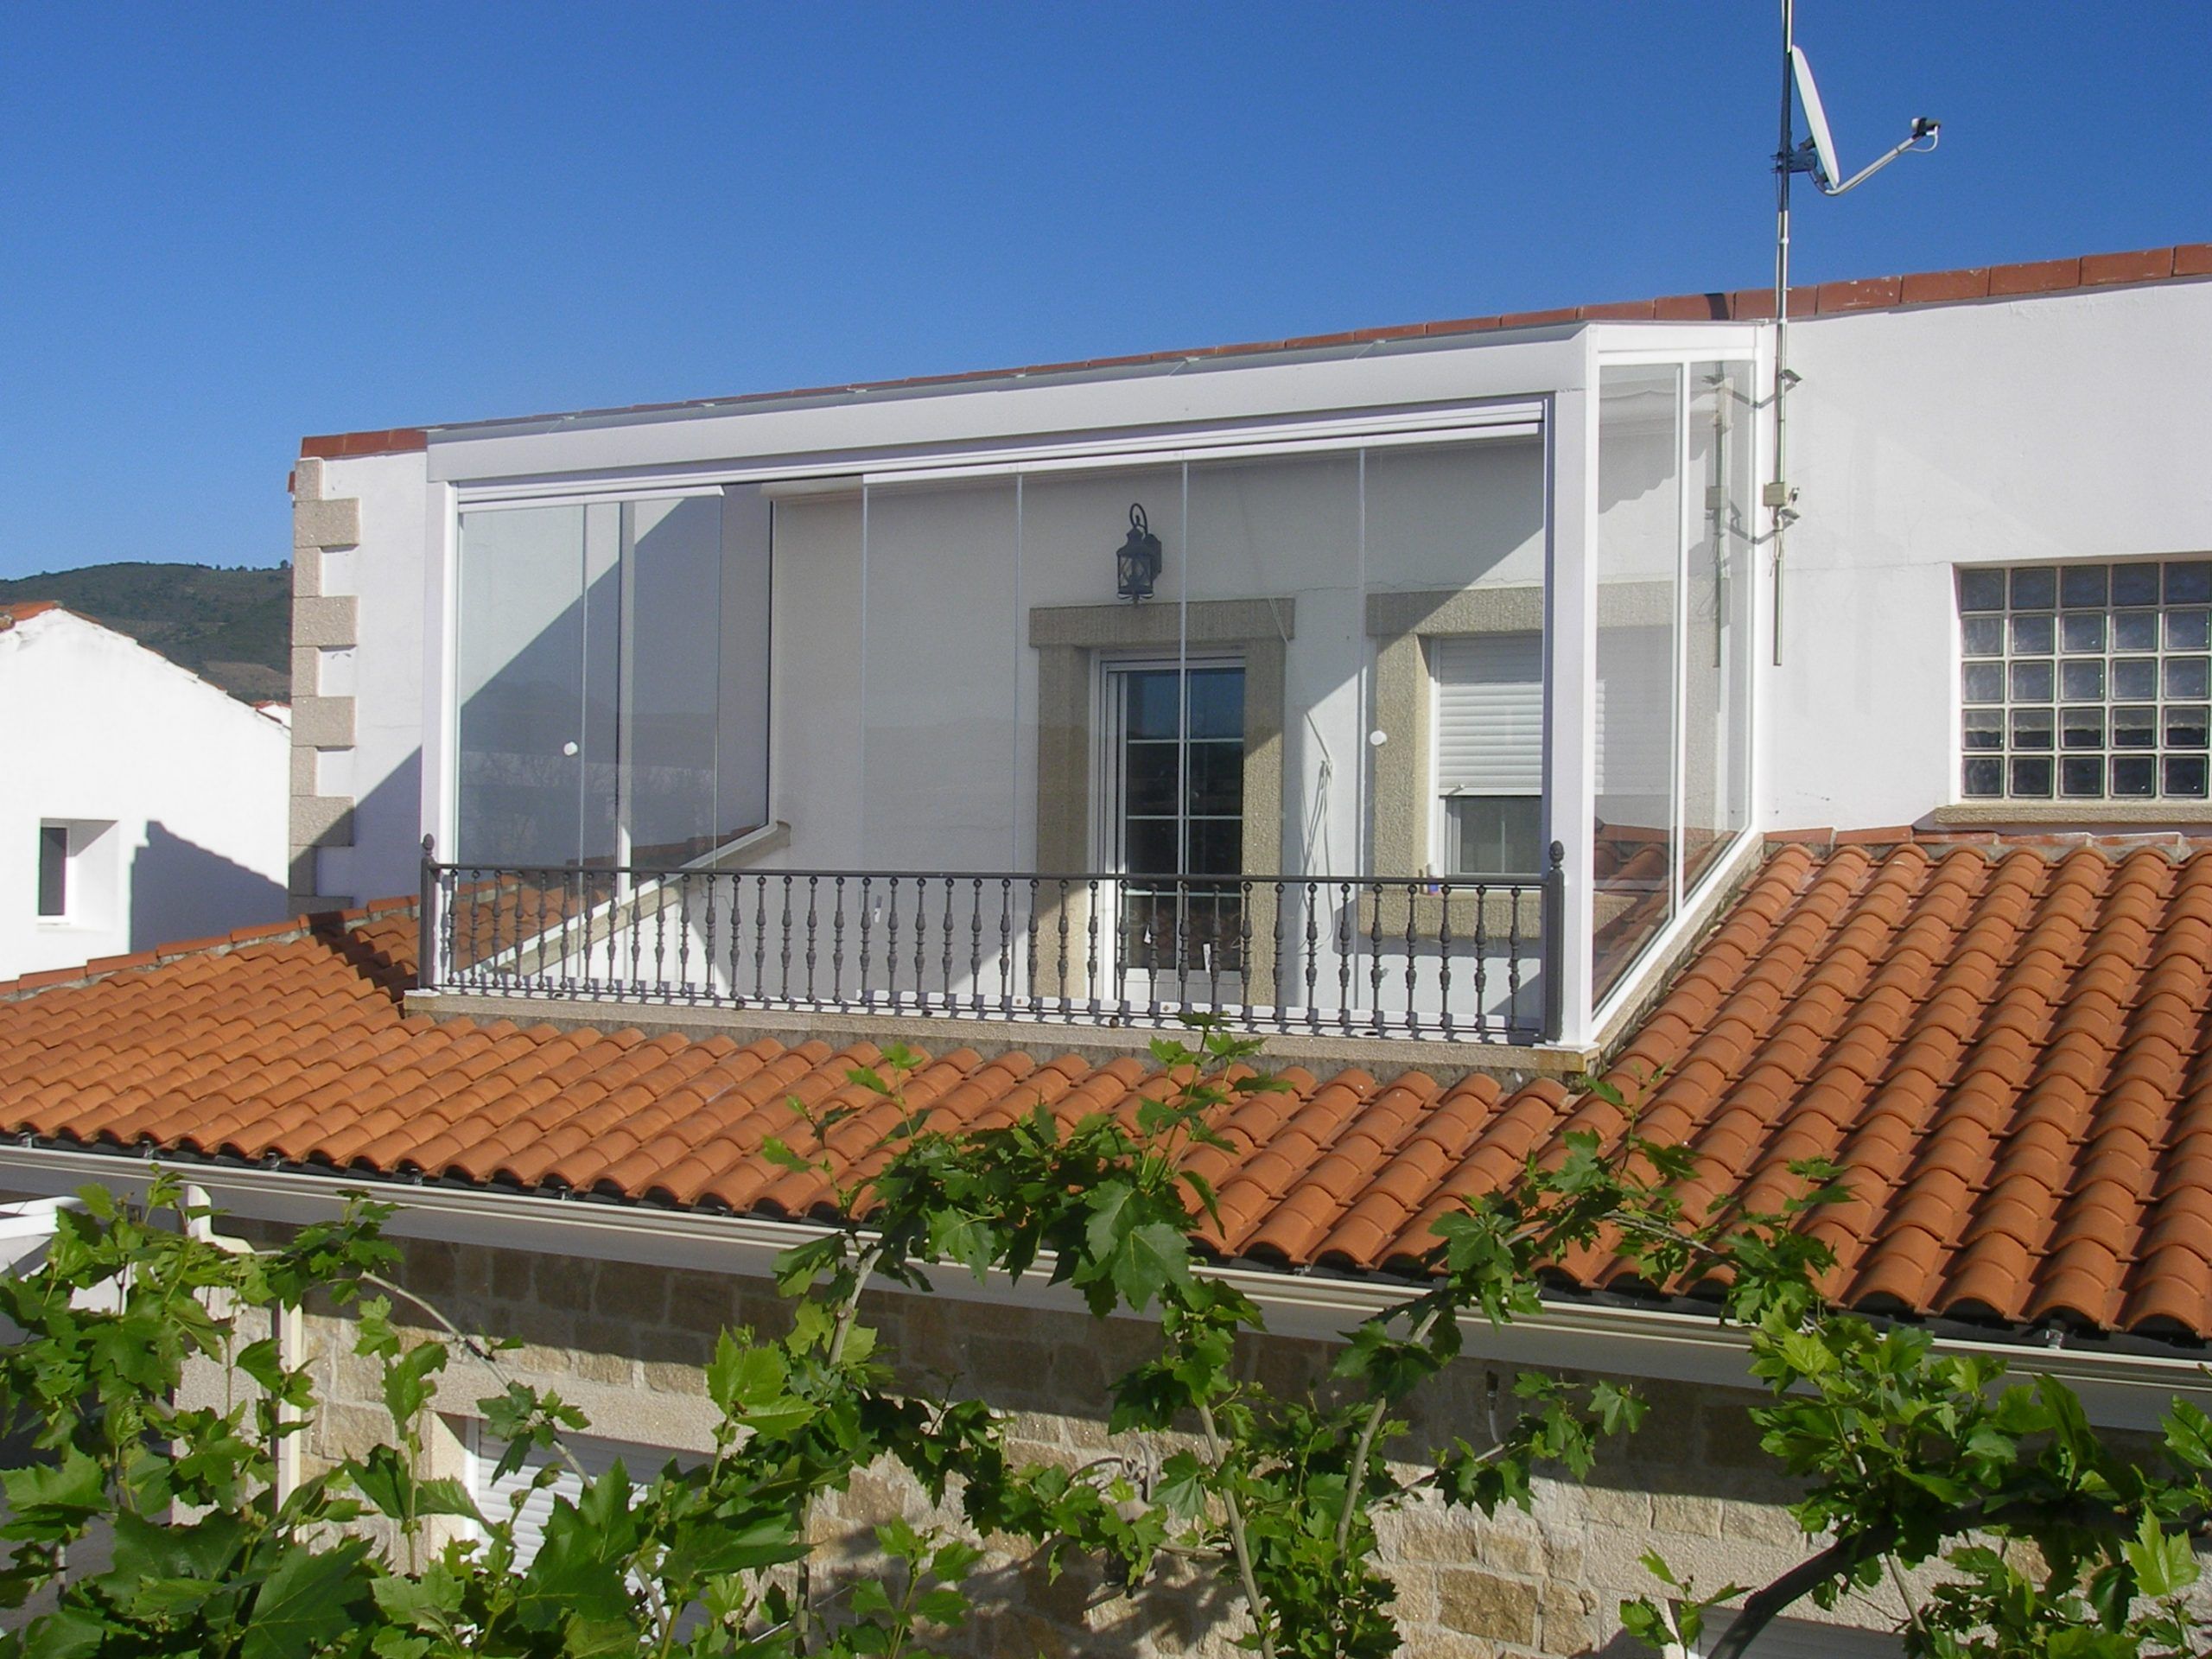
{"points": [[141, 805]]}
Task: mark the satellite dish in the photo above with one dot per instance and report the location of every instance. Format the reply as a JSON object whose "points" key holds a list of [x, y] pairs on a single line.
{"points": [[1816, 117]]}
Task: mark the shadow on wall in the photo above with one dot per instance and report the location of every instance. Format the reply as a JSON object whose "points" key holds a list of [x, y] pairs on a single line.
{"points": [[180, 890]]}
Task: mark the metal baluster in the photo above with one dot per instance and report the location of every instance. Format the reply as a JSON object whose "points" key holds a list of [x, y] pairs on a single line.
{"points": [[813, 927], [761, 935], [1122, 955], [976, 943], [637, 943], [1443, 960], [1244, 950], [787, 938], [707, 953], [660, 934], [1374, 962], [838, 944], [1006, 947], [1090, 973], [1412, 964], [683, 932], [1213, 954], [891, 946], [1481, 950], [948, 944], [1513, 960], [1347, 936], [1067, 1000], [867, 897], [921, 943], [1036, 1003]]}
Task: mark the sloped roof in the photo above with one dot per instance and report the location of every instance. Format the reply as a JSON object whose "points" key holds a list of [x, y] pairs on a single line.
{"points": [[2007, 1050], [2032, 276]]}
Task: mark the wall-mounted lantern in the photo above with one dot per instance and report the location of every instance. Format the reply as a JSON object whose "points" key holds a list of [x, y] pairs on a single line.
{"points": [[1136, 562]]}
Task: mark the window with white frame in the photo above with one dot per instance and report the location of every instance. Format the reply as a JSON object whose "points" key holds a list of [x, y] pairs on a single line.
{"points": [[2085, 682], [1489, 749]]}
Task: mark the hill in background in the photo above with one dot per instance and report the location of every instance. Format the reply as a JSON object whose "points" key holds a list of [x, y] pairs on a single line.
{"points": [[234, 627]]}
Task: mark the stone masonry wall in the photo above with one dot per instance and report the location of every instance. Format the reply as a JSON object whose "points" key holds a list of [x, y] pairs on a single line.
{"points": [[627, 1345]]}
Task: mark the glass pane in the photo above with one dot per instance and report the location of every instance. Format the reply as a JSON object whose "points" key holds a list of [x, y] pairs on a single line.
{"points": [[2135, 630], [2082, 728], [2189, 584], [2081, 679], [2031, 729], [2135, 584], [2082, 585], [1148, 845], [2185, 726], [1217, 778], [2083, 633], [521, 682], [1981, 590], [2188, 676], [2135, 775], [1984, 682], [940, 674], [1217, 846], [1716, 653], [741, 744], [2135, 677], [1148, 775], [2188, 630], [2081, 775], [2031, 776], [2035, 589], [1984, 775], [1983, 636], [1639, 534], [1218, 702], [2185, 776], [2032, 636], [1494, 834], [1984, 729], [670, 694], [2031, 682], [2135, 729]]}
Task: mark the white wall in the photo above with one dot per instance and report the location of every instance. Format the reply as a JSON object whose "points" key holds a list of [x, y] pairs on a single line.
{"points": [[2068, 426], [388, 573], [100, 730]]}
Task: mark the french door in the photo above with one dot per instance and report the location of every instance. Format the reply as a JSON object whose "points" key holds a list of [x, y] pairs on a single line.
{"points": [[1175, 825]]}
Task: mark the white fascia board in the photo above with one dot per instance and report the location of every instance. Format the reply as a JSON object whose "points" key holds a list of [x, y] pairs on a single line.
{"points": [[2120, 1391], [841, 431]]}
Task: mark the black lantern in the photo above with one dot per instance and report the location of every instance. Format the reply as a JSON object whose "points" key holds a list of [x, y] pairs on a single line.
{"points": [[1136, 562]]}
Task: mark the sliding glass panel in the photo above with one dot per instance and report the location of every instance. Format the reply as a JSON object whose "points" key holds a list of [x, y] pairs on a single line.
{"points": [[1639, 543], [741, 728], [939, 678], [520, 683], [1716, 651], [670, 697]]}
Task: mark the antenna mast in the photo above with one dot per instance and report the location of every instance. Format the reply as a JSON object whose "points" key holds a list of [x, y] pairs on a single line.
{"points": [[1777, 494]]}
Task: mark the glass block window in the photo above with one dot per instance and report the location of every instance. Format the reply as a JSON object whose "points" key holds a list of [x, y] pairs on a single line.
{"points": [[2085, 682]]}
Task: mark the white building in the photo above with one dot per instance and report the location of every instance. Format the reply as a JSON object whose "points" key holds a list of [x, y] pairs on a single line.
{"points": [[1434, 609], [141, 805]]}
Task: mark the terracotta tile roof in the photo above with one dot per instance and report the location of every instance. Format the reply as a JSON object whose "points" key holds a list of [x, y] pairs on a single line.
{"points": [[2007, 1050], [1740, 305], [21, 610]]}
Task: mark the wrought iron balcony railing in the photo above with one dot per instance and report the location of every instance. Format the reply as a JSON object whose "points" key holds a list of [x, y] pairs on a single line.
{"points": [[1471, 959]]}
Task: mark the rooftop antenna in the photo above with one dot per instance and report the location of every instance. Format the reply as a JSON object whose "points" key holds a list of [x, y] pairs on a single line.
{"points": [[1815, 154]]}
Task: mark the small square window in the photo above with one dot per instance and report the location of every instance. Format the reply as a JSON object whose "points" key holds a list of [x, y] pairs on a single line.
{"points": [[2031, 729], [2081, 586], [2185, 726], [2135, 677], [2085, 678], [1984, 682], [2189, 677], [2032, 636], [2135, 775], [2031, 775], [2185, 775], [2035, 589], [2188, 630], [1981, 590], [2135, 584], [2084, 631], [2082, 728], [2135, 729], [1984, 775], [2031, 682], [2081, 774], [2189, 584]]}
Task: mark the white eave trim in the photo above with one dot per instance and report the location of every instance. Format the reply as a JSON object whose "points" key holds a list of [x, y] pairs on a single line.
{"points": [[2118, 1391]]}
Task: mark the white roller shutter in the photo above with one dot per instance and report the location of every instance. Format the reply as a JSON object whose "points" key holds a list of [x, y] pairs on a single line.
{"points": [[494, 1498], [1490, 713]]}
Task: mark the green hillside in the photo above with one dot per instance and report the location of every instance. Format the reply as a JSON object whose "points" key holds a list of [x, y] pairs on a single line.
{"points": [[234, 627]]}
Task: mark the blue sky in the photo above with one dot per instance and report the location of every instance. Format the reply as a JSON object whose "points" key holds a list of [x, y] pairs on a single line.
{"points": [[223, 227]]}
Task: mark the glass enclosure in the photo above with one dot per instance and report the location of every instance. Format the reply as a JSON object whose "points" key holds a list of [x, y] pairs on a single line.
{"points": [[1297, 763]]}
